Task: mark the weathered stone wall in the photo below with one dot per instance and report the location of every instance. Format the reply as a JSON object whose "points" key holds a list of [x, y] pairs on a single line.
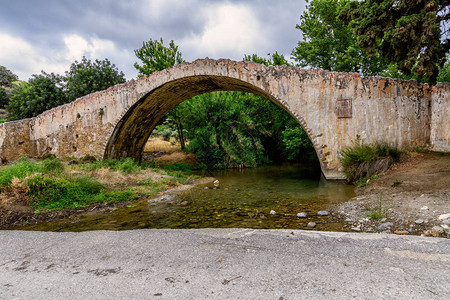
{"points": [[117, 122], [14, 139], [440, 117]]}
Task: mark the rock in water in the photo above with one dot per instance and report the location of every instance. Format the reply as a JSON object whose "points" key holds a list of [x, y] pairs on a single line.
{"points": [[272, 212], [311, 224], [323, 213], [302, 215]]}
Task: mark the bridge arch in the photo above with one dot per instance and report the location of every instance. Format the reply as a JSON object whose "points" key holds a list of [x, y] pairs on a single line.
{"points": [[134, 128]]}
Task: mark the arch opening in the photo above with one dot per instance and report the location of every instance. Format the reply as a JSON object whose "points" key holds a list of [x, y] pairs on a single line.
{"points": [[134, 129]]}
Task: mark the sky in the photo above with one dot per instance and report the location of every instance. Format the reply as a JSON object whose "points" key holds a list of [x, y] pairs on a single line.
{"points": [[51, 34]]}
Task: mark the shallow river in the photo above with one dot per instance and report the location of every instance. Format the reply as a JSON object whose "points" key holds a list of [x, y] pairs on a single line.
{"points": [[243, 198]]}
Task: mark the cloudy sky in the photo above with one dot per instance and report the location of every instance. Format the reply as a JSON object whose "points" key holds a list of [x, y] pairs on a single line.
{"points": [[50, 34]]}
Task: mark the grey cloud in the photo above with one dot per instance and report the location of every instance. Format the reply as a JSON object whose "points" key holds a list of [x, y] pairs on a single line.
{"points": [[128, 23]]}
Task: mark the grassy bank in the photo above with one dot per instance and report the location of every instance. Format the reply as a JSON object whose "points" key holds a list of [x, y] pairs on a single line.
{"points": [[52, 184]]}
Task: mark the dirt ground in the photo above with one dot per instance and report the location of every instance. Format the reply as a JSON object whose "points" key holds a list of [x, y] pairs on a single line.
{"points": [[412, 195]]}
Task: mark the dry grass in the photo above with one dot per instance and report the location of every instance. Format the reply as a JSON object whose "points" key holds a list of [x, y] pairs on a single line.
{"points": [[157, 144], [16, 191]]}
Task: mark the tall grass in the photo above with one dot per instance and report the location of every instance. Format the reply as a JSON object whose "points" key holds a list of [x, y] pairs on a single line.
{"points": [[362, 161], [24, 167]]}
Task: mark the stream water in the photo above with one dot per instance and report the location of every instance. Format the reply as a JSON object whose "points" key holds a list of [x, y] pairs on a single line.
{"points": [[243, 198]]}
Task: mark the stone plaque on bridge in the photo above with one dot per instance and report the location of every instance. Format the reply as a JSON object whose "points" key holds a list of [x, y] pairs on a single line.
{"points": [[344, 108]]}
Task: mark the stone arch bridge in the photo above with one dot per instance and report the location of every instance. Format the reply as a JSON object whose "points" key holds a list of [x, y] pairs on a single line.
{"points": [[334, 109]]}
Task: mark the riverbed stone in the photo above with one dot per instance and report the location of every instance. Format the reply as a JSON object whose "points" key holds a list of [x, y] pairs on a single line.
{"points": [[356, 228], [437, 229], [444, 216], [302, 215], [311, 224], [323, 213], [385, 226], [419, 221]]}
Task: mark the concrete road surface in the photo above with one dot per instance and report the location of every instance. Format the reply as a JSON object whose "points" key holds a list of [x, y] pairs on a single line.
{"points": [[222, 264]]}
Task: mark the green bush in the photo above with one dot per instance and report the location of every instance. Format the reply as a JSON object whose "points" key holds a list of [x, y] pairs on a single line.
{"points": [[58, 193], [364, 161], [19, 169]]}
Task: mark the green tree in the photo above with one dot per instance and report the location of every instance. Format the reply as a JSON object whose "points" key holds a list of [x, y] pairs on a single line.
{"points": [[87, 77], [155, 56], [283, 137], [444, 72], [7, 77], [40, 93], [403, 32], [329, 43], [275, 60], [221, 131], [3, 98]]}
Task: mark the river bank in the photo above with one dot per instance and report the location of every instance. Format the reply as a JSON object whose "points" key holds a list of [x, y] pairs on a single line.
{"points": [[413, 197]]}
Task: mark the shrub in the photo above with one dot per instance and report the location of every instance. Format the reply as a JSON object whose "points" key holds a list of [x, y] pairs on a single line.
{"points": [[19, 169], [58, 193], [364, 161]]}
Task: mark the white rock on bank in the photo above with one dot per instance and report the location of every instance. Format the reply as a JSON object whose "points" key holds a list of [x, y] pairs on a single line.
{"points": [[444, 217], [302, 215], [311, 224]]}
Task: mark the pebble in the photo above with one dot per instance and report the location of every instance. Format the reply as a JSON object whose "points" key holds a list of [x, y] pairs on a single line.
{"points": [[385, 226], [419, 221], [437, 229], [447, 222], [272, 212], [401, 232], [206, 188], [302, 215], [348, 220], [424, 208], [184, 203], [311, 224], [444, 217], [356, 228], [360, 198], [323, 213]]}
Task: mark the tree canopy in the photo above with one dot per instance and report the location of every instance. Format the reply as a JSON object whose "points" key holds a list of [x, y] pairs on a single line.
{"points": [[40, 93], [87, 77], [7, 77], [412, 34], [47, 90], [155, 56], [328, 42]]}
